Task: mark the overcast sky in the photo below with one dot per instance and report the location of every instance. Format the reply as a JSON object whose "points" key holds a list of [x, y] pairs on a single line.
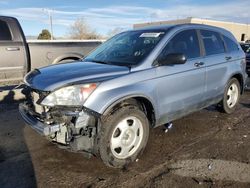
{"points": [[104, 16]]}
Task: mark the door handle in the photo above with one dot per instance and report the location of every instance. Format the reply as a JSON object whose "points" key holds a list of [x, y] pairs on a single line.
{"points": [[199, 64], [228, 58], [12, 49]]}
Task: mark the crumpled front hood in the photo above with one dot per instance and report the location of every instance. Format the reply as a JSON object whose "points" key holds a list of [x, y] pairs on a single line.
{"points": [[56, 76]]}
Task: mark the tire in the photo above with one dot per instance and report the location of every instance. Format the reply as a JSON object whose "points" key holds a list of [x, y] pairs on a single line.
{"points": [[123, 136], [231, 96]]}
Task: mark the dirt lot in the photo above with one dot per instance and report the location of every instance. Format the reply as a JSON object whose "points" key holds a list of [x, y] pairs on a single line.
{"points": [[204, 149]]}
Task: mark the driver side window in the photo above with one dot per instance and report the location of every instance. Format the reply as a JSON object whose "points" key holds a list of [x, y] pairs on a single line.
{"points": [[185, 42]]}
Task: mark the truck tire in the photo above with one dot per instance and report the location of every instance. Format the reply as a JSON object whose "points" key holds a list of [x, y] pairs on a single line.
{"points": [[231, 96], [123, 136]]}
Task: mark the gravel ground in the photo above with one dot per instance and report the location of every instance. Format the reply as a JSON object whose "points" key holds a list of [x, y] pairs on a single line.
{"points": [[204, 149]]}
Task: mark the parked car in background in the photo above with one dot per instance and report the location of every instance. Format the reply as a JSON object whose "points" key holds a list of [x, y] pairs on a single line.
{"points": [[19, 57], [135, 81], [246, 49]]}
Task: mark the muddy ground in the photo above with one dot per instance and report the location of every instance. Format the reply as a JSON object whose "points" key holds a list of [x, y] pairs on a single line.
{"points": [[204, 149]]}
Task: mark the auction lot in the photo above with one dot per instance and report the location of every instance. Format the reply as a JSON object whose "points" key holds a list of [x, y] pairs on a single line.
{"points": [[205, 149]]}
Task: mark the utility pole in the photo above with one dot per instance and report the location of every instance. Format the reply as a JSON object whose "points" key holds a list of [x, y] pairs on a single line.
{"points": [[49, 12]]}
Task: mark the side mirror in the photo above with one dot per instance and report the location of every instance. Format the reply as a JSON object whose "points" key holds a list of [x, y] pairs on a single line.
{"points": [[172, 59]]}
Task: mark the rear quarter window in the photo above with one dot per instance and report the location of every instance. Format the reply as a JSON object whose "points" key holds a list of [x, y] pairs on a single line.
{"points": [[4, 31], [231, 45], [213, 43]]}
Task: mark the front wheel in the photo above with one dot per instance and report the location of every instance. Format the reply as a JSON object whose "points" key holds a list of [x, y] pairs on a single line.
{"points": [[123, 136], [231, 96]]}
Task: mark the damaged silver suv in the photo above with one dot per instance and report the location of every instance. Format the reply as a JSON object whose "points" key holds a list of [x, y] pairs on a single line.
{"points": [[137, 80]]}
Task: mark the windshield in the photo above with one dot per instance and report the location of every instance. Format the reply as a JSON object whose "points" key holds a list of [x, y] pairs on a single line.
{"points": [[245, 48], [127, 48]]}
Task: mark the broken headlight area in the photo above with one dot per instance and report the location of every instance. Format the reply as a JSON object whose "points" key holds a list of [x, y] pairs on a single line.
{"points": [[74, 127]]}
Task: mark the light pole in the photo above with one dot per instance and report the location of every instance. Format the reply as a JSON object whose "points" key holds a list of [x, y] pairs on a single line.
{"points": [[49, 12]]}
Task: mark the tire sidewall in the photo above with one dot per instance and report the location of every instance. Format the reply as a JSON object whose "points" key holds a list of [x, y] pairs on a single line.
{"points": [[226, 108], [107, 127]]}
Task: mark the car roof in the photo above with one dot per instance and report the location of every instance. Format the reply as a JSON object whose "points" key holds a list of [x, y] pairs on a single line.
{"points": [[168, 26], [185, 26]]}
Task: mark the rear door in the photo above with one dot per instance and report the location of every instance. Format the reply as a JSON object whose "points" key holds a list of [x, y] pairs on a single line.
{"points": [[181, 88], [233, 52], [12, 61], [216, 64]]}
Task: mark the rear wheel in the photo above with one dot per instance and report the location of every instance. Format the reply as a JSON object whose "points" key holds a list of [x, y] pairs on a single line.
{"points": [[123, 136], [231, 96]]}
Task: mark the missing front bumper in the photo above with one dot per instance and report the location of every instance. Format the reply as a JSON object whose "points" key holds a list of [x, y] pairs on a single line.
{"points": [[78, 134], [37, 125]]}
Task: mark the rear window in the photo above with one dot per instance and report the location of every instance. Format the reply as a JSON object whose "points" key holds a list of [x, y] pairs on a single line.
{"points": [[231, 45], [212, 42], [4, 31]]}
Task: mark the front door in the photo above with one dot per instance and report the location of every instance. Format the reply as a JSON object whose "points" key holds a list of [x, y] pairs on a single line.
{"points": [[181, 88], [12, 61]]}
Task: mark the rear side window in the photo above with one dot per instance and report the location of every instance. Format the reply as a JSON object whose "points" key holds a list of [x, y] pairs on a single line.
{"points": [[212, 42], [231, 45], [185, 42], [4, 31]]}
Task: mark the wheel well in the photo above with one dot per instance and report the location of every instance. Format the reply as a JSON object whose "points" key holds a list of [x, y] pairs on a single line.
{"points": [[240, 79], [144, 104], [69, 58], [65, 58], [147, 108]]}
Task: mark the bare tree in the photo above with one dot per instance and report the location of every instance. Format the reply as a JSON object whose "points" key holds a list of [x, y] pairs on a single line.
{"points": [[115, 31], [81, 30]]}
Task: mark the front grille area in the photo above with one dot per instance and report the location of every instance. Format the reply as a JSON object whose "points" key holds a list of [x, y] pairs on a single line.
{"points": [[35, 99], [48, 115]]}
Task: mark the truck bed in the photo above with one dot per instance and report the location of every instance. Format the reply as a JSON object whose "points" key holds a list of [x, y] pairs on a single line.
{"points": [[46, 52], [19, 56]]}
